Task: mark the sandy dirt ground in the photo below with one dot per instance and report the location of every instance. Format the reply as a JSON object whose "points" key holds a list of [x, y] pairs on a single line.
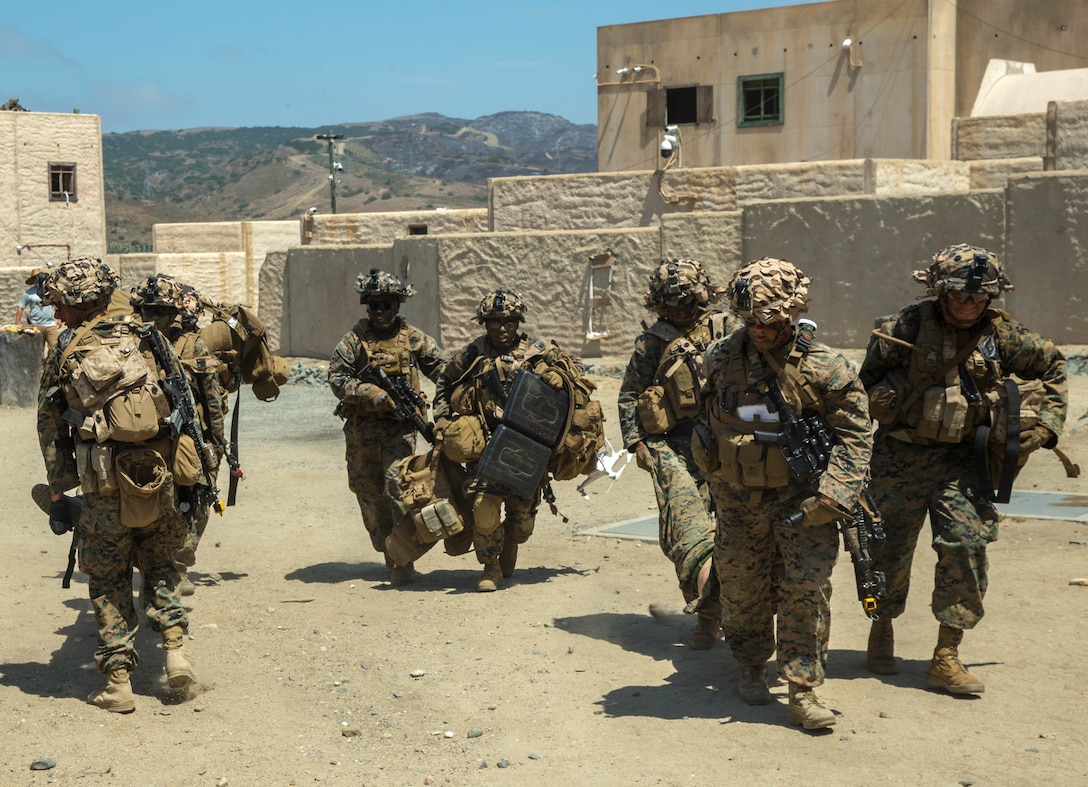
{"points": [[312, 668]]}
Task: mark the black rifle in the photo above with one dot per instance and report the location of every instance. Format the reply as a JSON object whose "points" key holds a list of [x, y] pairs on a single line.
{"points": [[408, 405], [805, 441], [806, 444], [184, 417]]}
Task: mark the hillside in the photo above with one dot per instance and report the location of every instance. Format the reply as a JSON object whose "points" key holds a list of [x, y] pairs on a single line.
{"points": [[415, 162]]}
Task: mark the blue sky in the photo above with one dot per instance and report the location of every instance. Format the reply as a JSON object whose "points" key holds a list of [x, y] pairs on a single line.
{"points": [[152, 65]]}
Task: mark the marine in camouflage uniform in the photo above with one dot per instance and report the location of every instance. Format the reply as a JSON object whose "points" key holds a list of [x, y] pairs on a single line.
{"points": [[664, 377], [758, 496], [931, 409], [81, 290], [162, 300], [375, 439], [501, 523]]}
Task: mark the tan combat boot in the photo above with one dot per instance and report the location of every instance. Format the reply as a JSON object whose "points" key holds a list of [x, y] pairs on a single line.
{"points": [[116, 696], [509, 558], [705, 634], [880, 657], [179, 673], [185, 585], [946, 671], [489, 580], [807, 710], [753, 685], [400, 575]]}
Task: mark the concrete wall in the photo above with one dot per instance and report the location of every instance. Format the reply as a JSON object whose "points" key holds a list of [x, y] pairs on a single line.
{"points": [[361, 229], [1048, 253], [995, 173], [1069, 134], [860, 251], [49, 232]]}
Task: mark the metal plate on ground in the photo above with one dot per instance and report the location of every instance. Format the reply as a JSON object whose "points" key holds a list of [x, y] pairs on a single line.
{"points": [[1068, 506]]}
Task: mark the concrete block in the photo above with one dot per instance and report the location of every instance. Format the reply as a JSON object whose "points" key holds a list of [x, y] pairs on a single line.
{"points": [[20, 368], [999, 137], [995, 173]]}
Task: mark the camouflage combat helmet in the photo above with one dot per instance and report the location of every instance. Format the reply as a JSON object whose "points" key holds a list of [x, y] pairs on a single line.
{"points": [[676, 280], [80, 282], [378, 282], [192, 306], [500, 305], [769, 291], [160, 290], [966, 268]]}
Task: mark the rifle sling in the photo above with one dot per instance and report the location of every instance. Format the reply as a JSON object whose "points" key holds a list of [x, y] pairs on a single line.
{"points": [[232, 488]]}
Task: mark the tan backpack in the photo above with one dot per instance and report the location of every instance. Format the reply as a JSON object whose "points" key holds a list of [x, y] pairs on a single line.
{"points": [[236, 335]]}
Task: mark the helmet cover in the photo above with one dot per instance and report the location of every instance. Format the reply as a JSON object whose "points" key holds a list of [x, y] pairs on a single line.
{"points": [[378, 282], [79, 282], [769, 291], [966, 268], [501, 304]]}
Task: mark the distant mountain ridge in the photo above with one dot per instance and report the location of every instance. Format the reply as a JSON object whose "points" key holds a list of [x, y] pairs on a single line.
{"points": [[268, 173]]}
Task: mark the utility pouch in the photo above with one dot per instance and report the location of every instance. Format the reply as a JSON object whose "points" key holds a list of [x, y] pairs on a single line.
{"points": [[133, 415], [654, 412], [463, 439], [186, 466], [141, 476], [437, 521], [704, 449]]}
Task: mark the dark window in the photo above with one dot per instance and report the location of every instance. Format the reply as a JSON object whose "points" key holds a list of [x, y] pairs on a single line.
{"points": [[417, 229], [62, 182], [759, 100], [675, 105]]}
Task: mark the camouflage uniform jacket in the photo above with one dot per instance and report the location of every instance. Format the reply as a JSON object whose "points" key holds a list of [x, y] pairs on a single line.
{"points": [[352, 355], [645, 361], [1014, 348], [532, 354], [840, 402]]}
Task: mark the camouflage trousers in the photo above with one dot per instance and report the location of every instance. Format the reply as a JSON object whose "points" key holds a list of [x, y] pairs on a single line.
{"points": [[685, 524], [767, 567], [373, 445], [910, 481], [108, 551], [196, 525], [516, 525]]}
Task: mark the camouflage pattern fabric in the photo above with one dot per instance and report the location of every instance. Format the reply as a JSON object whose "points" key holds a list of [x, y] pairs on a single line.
{"points": [[107, 549], [80, 281], [518, 523], [107, 552], [374, 441], [950, 268], [211, 397], [769, 290], [911, 480], [753, 536], [685, 519], [499, 305], [519, 515], [378, 282]]}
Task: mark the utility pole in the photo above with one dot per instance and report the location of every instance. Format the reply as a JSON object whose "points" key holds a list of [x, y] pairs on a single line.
{"points": [[334, 167]]}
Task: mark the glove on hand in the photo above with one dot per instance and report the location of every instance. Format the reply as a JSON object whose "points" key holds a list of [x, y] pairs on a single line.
{"points": [[817, 512], [643, 457], [883, 403], [440, 425], [60, 517], [1035, 438]]}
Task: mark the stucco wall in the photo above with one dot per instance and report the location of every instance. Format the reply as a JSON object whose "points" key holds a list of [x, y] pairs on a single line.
{"points": [[197, 237], [1070, 134], [995, 173], [360, 229], [600, 201], [49, 232], [860, 251]]}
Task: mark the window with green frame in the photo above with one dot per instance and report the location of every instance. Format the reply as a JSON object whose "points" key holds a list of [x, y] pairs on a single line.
{"points": [[759, 100]]}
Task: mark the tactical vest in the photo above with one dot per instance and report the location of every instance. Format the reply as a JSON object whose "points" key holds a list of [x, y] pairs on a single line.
{"points": [[393, 355], [674, 395], [113, 381], [474, 394], [949, 409], [735, 412]]}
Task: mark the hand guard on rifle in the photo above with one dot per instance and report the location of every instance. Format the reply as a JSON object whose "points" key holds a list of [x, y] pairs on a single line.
{"points": [[817, 512], [60, 517], [1035, 438]]}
